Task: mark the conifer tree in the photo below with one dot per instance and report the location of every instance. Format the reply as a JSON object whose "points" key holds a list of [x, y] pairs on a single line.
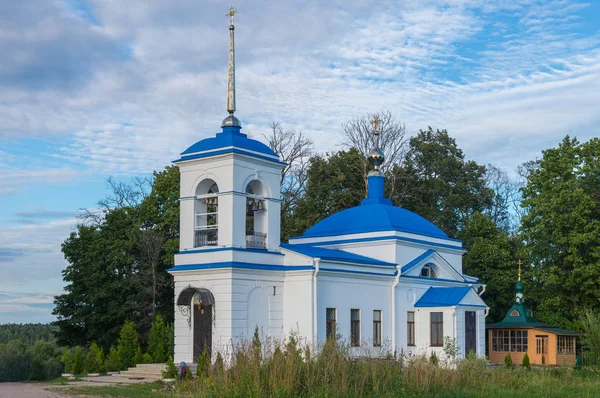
{"points": [[158, 343], [67, 361], [113, 362], [91, 359], [78, 362], [128, 345]]}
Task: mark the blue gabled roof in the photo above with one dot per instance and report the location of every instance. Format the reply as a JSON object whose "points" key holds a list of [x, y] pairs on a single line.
{"points": [[333, 254], [374, 218], [443, 296], [417, 260], [229, 140]]}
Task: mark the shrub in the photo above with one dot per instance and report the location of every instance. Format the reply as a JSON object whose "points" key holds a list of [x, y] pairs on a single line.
{"points": [[508, 363], [159, 341], [188, 375], [526, 364], [67, 361], [53, 368], [203, 364], [171, 371], [433, 359], [78, 362], [590, 322], [128, 345], [113, 362], [218, 367], [139, 357], [146, 358]]}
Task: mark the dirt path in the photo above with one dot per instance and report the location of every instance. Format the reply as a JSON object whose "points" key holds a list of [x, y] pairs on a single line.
{"points": [[39, 390]]}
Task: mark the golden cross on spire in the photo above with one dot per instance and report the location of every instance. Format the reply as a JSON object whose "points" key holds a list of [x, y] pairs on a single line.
{"points": [[230, 14], [520, 263]]}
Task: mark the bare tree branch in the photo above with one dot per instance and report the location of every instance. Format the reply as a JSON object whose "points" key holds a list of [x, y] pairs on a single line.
{"points": [[294, 149], [358, 133]]}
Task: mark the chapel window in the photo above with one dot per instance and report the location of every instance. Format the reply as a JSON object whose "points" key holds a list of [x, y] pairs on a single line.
{"points": [[437, 329], [376, 328], [427, 271], [355, 327], [565, 345], [514, 313], [330, 319], [410, 328], [256, 219]]}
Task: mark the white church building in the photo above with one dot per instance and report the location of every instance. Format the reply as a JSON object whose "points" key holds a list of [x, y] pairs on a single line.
{"points": [[379, 277]]}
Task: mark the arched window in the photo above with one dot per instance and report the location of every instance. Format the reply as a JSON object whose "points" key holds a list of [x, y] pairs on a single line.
{"points": [[514, 313], [256, 216], [206, 215], [428, 271]]}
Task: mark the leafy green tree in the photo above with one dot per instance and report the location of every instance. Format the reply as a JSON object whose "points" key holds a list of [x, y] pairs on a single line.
{"points": [[37, 370], [590, 324], [561, 229], [491, 257], [437, 182], [78, 362], [67, 361], [334, 183], [109, 270], [94, 360], [128, 345], [158, 341], [14, 361]]}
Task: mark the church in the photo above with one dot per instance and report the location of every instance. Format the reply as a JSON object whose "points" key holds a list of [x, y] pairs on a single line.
{"points": [[378, 278]]}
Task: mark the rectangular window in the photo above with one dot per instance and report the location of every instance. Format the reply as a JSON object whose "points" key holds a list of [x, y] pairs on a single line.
{"points": [[376, 328], [437, 329], [518, 340], [501, 340], [565, 345], [330, 317], [410, 328], [355, 327]]}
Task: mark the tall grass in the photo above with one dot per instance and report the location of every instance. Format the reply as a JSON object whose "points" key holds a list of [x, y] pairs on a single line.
{"points": [[290, 369]]}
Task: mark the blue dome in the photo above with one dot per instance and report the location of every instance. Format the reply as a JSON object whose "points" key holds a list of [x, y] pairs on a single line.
{"points": [[230, 140], [374, 218]]}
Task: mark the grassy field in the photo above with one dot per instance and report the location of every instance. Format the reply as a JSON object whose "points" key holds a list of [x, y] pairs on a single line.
{"points": [[289, 371]]}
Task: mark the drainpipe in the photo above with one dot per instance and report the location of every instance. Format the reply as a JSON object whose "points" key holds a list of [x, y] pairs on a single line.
{"points": [[316, 262], [482, 289], [396, 280]]}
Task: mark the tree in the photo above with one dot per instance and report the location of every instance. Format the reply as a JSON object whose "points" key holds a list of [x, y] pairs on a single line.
{"points": [[128, 345], [91, 364], [333, 183], [561, 229], [158, 341], [116, 270], [491, 257], [439, 184], [505, 202], [78, 362], [294, 149], [358, 134], [67, 360], [590, 324], [113, 362]]}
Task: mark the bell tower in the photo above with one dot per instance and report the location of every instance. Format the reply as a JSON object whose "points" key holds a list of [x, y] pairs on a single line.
{"points": [[230, 185]]}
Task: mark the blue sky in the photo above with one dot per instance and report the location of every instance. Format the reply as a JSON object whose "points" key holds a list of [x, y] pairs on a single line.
{"points": [[91, 89]]}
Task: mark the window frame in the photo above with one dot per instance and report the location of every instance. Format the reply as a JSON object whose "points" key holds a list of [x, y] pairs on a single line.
{"points": [[330, 324], [436, 328], [565, 345], [355, 327], [377, 328], [410, 329]]}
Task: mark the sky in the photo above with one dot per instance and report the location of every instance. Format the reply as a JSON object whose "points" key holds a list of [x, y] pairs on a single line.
{"points": [[97, 88]]}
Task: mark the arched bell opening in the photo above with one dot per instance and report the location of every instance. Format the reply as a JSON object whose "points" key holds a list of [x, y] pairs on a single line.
{"points": [[206, 214], [256, 216], [198, 306]]}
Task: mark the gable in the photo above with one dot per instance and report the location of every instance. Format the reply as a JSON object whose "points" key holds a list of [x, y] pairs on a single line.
{"points": [[450, 296], [441, 268]]}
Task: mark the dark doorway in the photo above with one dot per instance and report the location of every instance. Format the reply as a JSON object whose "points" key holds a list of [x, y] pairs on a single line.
{"points": [[470, 332], [202, 329]]}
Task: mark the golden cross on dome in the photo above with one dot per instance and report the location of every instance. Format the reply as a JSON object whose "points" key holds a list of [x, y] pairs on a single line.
{"points": [[520, 263], [230, 14], [376, 123]]}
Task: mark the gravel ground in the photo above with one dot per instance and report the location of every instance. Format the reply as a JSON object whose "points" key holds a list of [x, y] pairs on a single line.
{"points": [[42, 390]]}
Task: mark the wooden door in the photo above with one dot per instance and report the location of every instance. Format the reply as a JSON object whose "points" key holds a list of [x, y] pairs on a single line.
{"points": [[202, 330], [470, 332], [541, 348]]}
